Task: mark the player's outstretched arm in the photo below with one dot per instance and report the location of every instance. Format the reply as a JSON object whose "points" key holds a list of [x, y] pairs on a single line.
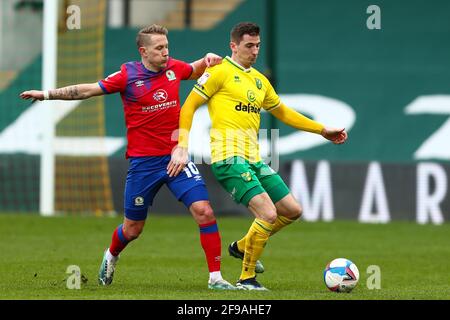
{"points": [[73, 92], [300, 122], [199, 66], [179, 157]]}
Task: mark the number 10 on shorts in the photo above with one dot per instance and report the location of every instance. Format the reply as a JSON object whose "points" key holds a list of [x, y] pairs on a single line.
{"points": [[191, 170]]}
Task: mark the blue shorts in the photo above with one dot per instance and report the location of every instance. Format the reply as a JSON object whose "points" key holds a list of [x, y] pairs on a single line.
{"points": [[145, 177]]}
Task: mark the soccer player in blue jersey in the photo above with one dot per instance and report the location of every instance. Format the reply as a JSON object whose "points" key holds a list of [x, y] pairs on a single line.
{"points": [[150, 94]]}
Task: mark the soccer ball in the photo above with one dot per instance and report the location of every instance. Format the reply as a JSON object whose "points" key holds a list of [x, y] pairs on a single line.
{"points": [[341, 275]]}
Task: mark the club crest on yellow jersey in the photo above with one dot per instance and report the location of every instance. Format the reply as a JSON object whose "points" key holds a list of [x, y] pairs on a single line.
{"points": [[258, 83], [251, 96]]}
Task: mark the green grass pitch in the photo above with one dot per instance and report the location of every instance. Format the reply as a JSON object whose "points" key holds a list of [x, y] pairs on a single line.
{"points": [[167, 262]]}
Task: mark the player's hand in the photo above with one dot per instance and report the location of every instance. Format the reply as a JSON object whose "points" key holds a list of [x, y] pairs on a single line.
{"points": [[337, 136], [211, 59], [178, 161], [32, 94]]}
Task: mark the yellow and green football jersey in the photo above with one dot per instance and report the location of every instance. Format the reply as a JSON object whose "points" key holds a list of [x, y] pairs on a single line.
{"points": [[235, 98]]}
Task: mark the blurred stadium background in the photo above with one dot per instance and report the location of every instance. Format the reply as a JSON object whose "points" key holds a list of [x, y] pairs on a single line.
{"points": [[389, 87]]}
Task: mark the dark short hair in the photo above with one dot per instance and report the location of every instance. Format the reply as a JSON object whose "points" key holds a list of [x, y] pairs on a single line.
{"points": [[243, 28], [153, 29]]}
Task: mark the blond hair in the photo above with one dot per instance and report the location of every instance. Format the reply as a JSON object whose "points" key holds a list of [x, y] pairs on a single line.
{"points": [[142, 39]]}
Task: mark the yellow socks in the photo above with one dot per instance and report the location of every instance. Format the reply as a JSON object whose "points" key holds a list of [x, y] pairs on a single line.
{"points": [[281, 222], [255, 240], [241, 244]]}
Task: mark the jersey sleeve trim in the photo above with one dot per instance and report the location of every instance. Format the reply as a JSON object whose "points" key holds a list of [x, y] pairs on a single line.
{"points": [[198, 90], [273, 107], [103, 87]]}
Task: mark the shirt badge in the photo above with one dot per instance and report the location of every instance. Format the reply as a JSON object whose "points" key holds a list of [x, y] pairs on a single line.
{"points": [[258, 83], [170, 75], [251, 96], [202, 80]]}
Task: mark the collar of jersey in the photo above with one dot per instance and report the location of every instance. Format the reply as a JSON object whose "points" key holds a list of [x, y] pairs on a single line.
{"points": [[237, 65]]}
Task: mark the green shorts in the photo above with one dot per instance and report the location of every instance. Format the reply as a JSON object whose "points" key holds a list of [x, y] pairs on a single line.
{"points": [[244, 180]]}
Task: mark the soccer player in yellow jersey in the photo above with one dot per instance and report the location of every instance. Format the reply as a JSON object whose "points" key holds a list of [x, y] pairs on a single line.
{"points": [[236, 94]]}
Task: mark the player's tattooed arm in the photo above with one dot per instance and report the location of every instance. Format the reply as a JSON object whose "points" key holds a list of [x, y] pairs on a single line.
{"points": [[73, 92], [66, 93]]}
